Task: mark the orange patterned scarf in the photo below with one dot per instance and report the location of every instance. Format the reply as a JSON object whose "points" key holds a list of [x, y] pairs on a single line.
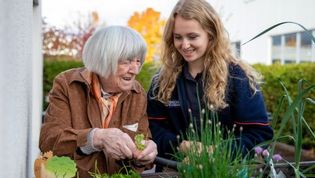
{"points": [[107, 105]]}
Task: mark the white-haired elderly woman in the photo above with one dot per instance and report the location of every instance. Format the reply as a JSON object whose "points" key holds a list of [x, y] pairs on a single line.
{"points": [[95, 111]]}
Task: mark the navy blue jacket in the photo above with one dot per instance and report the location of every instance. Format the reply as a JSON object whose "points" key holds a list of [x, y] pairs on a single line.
{"points": [[244, 109]]}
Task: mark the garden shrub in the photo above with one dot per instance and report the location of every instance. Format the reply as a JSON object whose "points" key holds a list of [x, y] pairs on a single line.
{"points": [[51, 69], [289, 74]]}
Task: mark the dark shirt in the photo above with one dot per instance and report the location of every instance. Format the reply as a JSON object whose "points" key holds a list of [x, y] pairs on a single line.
{"points": [[245, 109], [194, 93]]}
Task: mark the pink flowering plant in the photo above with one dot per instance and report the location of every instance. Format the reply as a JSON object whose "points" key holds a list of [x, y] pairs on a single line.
{"points": [[263, 157]]}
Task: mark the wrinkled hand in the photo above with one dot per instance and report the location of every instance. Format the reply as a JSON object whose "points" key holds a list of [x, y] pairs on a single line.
{"points": [[147, 155], [114, 142]]}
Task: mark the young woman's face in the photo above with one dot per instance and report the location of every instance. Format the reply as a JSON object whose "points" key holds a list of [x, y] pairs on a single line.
{"points": [[190, 39], [124, 77]]}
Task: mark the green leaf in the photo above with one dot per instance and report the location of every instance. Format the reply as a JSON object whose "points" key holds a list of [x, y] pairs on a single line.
{"points": [[281, 23], [139, 138], [61, 166]]}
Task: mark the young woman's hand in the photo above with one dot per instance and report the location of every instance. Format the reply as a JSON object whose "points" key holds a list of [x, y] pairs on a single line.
{"points": [[185, 146]]}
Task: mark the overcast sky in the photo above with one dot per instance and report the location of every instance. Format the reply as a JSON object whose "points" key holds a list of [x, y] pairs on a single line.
{"points": [[112, 12]]}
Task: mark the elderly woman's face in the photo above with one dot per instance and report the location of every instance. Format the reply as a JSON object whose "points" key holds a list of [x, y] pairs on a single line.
{"points": [[124, 77]]}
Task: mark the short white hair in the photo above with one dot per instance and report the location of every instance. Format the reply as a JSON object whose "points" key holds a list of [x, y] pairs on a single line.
{"points": [[107, 46]]}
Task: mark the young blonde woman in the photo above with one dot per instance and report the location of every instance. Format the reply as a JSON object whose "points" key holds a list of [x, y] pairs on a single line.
{"points": [[198, 67]]}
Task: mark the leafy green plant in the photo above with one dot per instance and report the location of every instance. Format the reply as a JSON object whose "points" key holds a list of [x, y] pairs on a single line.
{"points": [[61, 167], [139, 141], [129, 174]]}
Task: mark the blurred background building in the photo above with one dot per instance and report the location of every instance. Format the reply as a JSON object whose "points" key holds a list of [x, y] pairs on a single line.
{"points": [[287, 43]]}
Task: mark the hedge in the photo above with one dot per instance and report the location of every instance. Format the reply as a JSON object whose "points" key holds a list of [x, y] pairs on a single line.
{"points": [[272, 90], [289, 74]]}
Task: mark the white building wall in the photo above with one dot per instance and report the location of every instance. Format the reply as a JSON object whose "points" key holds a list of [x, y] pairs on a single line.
{"points": [[20, 86], [37, 86], [244, 19]]}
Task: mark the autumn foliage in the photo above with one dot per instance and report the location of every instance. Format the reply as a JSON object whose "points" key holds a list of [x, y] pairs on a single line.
{"points": [[68, 41], [150, 26]]}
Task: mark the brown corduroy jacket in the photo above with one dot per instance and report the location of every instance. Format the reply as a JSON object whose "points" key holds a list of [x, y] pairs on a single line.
{"points": [[73, 111]]}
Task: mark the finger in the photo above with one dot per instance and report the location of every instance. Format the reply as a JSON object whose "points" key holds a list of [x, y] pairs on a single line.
{"points": [[136, 153], [113, 150], [115, 156], [129, 143], [184, 146], [148, 158], [149, 149], [126, 151]]}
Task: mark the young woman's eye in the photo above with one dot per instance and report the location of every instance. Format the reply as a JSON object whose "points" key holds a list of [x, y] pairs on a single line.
{"points": [[177, 37], [193, 37]]}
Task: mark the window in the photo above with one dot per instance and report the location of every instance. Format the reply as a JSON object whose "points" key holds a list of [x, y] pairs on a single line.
{"points": [[236, 48], [276, 40], [306, 47], [276, 49], [292, 48], [289, 50], [276, 61], [35, 2]]}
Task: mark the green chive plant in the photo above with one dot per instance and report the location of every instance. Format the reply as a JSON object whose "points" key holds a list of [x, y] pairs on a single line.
{"points": [[211, 152]]}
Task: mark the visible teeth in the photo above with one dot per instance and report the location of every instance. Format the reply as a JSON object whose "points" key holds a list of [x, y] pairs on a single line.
{"points": [[188, 51], [127, 78]]}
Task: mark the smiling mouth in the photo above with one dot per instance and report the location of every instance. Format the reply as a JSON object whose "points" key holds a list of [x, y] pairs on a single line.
{"points": [[127, 78], [188, 52]]}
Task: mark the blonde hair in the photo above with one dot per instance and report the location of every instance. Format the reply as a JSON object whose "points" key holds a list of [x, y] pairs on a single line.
{"points": [[217, 58]]}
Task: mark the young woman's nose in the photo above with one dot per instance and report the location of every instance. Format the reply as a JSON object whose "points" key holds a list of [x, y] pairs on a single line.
{"points": [[185, 43]]}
